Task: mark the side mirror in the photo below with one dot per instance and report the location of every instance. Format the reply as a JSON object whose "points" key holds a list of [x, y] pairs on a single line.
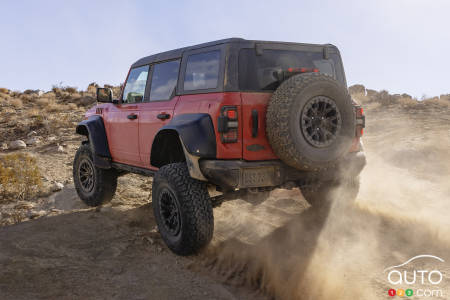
{"points": [[104, 95]]}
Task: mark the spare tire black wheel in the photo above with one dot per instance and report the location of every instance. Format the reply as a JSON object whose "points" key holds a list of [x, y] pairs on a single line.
{"points": [[310, 121]]}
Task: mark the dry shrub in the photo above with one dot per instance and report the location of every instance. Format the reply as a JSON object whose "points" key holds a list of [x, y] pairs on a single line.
{"points": [[55, 107], [43, 102], [29, 92], [72, 106], [27, 97], [20, 178], [407, 102], [32, 113], [4, 91], [443, 102], [49, 95], [17, 103], [70, 89], [8, 110]]}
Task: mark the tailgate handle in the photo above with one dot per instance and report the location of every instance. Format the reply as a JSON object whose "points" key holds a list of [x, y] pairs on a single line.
{"points": [[254, 123], [132, 117]]}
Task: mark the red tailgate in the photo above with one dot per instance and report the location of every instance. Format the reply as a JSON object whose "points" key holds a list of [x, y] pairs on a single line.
{"points": [[255, 146]]}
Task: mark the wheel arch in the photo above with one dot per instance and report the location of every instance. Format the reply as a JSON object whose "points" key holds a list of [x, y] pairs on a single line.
{"points": [[94, 129], [187, 137]]}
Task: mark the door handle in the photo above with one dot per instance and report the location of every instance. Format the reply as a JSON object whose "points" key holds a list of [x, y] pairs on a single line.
{"points": [[163, 116], [132, 117]]}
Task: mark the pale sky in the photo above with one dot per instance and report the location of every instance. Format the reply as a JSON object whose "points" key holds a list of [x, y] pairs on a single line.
{"points": [[397, 45]]}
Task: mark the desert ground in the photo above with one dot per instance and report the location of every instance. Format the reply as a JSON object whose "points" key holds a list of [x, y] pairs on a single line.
{"points": [[53, 246]]}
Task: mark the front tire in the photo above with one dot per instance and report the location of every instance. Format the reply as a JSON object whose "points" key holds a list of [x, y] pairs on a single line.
{"points": [[94, 186], [182, 209]]}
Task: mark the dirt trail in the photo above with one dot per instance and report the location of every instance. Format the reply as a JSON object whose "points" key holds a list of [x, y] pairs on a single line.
{"points": [[279, 248]]}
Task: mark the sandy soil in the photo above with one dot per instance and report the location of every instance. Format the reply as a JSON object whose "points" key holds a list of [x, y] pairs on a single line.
{"points": [[280, 248]]}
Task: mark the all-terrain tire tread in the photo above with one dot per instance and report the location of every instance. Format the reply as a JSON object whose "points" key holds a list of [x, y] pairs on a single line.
{"points": [[277, 128], [105, 181], [196, 208]]}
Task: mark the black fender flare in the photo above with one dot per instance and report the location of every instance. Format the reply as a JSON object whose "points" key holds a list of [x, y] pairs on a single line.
{"points": [[196, 132], [94, 129]]}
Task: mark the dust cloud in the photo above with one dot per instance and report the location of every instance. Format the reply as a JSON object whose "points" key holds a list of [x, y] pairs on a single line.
{"points": [[286, 249]]}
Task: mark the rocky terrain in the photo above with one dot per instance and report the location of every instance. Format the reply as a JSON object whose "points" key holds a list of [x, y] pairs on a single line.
{"points": [[53, 246]]}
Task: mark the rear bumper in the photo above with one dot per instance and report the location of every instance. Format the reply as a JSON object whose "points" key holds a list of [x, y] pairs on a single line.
{"points": [[232, 174]]}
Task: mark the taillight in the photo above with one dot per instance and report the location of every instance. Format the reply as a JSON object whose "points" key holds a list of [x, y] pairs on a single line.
{"points": [[228, 124], [360, 121]]}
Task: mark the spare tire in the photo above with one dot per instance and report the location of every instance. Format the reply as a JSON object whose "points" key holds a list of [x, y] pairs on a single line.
{"points": [[310, 121]]}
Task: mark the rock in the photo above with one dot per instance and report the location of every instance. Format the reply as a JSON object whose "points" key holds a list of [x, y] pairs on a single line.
{"points": [[57, 186], [16, 145], [33, 141], [33, 214], [51, 138], [31, 133], [4, 146], [60, 149]]}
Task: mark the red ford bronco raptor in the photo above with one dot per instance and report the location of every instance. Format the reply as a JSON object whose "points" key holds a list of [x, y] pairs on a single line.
{"points": [[236, 115]]}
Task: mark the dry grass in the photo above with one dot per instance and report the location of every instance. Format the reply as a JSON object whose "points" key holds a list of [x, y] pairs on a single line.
{"points": [[17, 103], [43, 102], [20, 178], [33, 112], [4, 91]]}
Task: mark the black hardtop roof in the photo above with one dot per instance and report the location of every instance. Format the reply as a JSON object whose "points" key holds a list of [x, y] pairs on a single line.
{"points": [[177, 53]]}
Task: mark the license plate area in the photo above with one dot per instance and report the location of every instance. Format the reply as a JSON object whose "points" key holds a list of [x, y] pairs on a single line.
{"points": [[258, 177]]}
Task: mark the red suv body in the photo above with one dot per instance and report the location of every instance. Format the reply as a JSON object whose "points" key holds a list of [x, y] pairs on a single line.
{"points": [[206, 106]]}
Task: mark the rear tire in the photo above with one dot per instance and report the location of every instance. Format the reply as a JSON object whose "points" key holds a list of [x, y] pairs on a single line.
{"points": [[94, 186], [182, 209]]}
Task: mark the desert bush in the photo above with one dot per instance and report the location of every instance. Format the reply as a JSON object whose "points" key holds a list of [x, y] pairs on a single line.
{"points": [[72, 106], [70, 89], [406, 102], [55, 107], [56, 90], [442, 102], [28, 97], [43, 102], [20, 178], [4, 91], [33, 113], [29, 92], [357, 89], [17, 103], [92, 88]]}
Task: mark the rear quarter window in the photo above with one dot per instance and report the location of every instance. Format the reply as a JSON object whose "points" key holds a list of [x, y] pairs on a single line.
{"points": [[202, 71], [256, 71]]}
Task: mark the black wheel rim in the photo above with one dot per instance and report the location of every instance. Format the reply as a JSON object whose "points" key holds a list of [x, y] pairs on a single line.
{"points": [[170, 214], [86, 175], [320, 121]]}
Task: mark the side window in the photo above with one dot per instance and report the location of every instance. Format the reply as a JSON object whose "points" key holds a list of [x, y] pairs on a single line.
{"points": [[202, 71], [164, 80], [135, 87]]}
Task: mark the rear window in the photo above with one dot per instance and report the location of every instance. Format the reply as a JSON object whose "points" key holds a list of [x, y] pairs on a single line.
{"points": [[256, 72], [202, 71]]}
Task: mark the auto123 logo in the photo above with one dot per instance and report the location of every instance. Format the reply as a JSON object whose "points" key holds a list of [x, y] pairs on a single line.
{"points": [[405, 278]]}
